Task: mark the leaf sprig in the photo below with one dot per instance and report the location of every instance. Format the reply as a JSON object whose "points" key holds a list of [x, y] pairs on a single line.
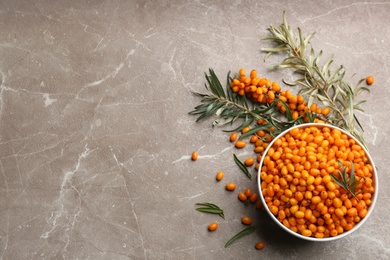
{"points": [[317, 82], [244, 232], [348, 183], [207, 207]]}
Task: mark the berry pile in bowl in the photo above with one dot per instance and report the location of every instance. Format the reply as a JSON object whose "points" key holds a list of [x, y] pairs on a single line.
{"points": [[317, 182]]}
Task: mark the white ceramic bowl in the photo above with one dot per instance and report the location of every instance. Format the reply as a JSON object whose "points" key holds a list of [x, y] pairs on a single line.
{"points": [[345, 233]]}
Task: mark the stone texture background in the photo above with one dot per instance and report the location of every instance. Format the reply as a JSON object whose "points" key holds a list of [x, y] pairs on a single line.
{"points": [[95, 137]]}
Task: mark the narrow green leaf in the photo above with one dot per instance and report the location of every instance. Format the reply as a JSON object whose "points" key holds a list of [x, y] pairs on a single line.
{"points": [[242, 167], [357, 121], [302, 44], [352, 174], [210, 210], [336, 180], [308, 38], [325, 68], [242, 233], [229, 90], [208, 204], [318, 58]]}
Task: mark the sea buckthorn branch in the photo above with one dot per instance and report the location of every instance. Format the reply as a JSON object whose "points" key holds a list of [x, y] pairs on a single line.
{"points": [[317, 82], [229, 105]]}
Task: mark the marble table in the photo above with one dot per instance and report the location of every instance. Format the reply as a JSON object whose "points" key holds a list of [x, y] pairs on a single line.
{"points": [[95, 136]]}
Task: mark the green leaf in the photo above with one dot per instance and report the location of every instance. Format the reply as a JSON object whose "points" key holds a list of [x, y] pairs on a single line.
{"points": [[357, 121], [242, 167], [242, 233], [336, 180], [325, 68], [210, 208]]}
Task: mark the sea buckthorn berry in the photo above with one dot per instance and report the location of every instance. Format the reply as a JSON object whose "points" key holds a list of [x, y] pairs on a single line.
{"points": [[246, 220], [231, 186], [241, 196], [245, 129], [240, 144], [233, 137], [213, 226], [326, 111], [253, 197], [313, 107], [352, 212], [253, 74], [370, 80], [307, 232], [248, 192], [274, 209], [249, 162], [260, 245], [299, 214], [275, 87], [194, 156], [337, 203], [259, 204], [220, 175], [254, 139]]}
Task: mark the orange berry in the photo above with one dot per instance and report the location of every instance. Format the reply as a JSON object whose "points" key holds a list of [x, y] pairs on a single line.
{"points": [[307, 232], [231, 186], [313, 107], [253, 74], [194, 156], [326, 111], [254, 139], [260, 245], [246, 220], [233, 137], [213, 226], [253, 197], [240, 144], [275, 87], [249, 162], [370, 80], [245, 129], [259, 204], [248, 192], [241, 196], [219, 176]]}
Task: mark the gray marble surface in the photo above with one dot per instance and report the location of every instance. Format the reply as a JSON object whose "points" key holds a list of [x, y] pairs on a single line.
{"points": [[95, 139]]}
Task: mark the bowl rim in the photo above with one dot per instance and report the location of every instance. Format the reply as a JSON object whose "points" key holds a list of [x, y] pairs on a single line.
{"points": [[346, 233]]}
